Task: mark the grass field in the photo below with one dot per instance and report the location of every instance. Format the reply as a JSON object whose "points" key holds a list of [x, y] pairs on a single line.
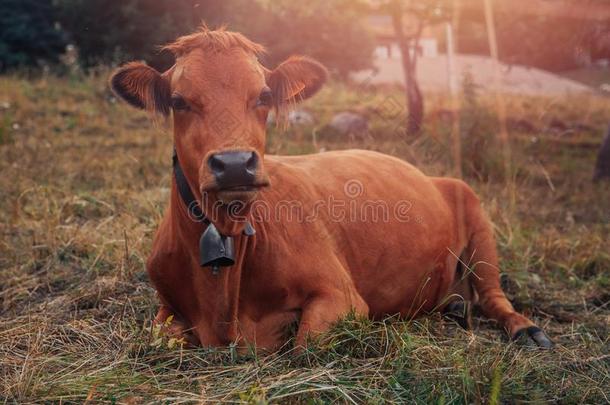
{"points": [[84, 181]]}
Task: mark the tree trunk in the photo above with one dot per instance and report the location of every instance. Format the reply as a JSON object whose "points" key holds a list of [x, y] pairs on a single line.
{"points": [[415, 100], [602, 168]]}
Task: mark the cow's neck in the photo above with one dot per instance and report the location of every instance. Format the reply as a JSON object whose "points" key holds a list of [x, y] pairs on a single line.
{"points": [[223, 283], [221, 301]]}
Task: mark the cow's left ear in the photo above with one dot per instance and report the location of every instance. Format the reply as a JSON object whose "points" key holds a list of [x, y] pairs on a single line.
{"points": [[142, 87], [296, 79]]}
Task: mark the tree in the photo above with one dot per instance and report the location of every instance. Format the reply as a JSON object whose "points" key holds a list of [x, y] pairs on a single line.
{"points": [[107, 31], [415, 100], [563, 37], [29, 33], [602, 168], [421, 14], [550, 43], [328, 30], [113, 31]]}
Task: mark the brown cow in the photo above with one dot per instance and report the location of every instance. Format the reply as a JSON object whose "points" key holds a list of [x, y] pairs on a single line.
{"points": [[312, 269]]}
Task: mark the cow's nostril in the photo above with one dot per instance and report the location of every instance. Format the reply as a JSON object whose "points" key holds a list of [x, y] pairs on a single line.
{"points": [[233, 168], [252, 163], [216, 165]]}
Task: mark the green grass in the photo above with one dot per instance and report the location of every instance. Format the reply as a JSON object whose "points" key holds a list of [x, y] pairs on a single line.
{"points": [[84, 184]]}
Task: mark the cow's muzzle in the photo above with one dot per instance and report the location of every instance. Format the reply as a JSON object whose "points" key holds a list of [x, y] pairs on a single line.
{"points": [[234, 170], [237, 175]]}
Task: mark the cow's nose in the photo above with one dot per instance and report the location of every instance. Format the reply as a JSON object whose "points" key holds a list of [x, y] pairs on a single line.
{"points": [[233, 169]]}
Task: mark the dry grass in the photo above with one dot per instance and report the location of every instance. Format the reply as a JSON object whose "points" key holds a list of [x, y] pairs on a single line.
{"points": [[84, 183]]}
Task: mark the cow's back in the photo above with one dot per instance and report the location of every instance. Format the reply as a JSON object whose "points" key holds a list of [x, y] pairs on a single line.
{"points": [[390, 224]]}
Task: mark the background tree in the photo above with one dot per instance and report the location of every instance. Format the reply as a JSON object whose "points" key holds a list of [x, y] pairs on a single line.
{"points": [[549, 43], [602, 167], [558, 41], [420, 14], [331, 31], [29, 33], [107, 31]]}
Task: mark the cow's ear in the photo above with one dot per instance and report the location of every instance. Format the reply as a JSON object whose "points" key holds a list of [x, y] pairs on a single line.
{"points": [[142, 87], [296, 79]]}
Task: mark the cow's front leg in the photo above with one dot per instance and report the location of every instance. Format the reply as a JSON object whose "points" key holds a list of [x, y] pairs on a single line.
{"points": [[324, 309], [175, 328]]}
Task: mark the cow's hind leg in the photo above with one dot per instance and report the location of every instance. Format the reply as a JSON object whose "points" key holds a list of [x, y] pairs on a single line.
{"points": [[481, 250], [462, 297]]}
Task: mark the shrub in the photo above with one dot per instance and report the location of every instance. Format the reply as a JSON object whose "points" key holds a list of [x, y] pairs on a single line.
{"points": [[29, 34]]}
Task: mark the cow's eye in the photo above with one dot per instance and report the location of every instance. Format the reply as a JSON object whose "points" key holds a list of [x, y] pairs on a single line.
{"points": [[179, 103], [265, 99]]}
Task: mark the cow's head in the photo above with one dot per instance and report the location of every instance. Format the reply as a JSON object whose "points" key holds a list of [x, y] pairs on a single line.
{"points": [[219, 95]]}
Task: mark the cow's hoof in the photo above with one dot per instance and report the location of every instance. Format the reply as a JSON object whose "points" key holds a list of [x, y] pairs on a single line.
{"points": [[460, 312], [533, 336]]}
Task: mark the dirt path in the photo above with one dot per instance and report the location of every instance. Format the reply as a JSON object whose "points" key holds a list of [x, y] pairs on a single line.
{"points": [[432, 73]]}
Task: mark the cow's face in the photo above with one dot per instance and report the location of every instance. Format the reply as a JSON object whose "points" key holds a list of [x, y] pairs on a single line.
{"points": [[220, 100]]}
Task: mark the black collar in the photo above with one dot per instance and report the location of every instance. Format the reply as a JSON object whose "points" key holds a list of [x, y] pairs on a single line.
{"points": [[193, 207]]}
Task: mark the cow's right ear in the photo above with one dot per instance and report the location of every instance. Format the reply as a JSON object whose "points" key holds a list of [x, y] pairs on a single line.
{"points": [[142, 87]]}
